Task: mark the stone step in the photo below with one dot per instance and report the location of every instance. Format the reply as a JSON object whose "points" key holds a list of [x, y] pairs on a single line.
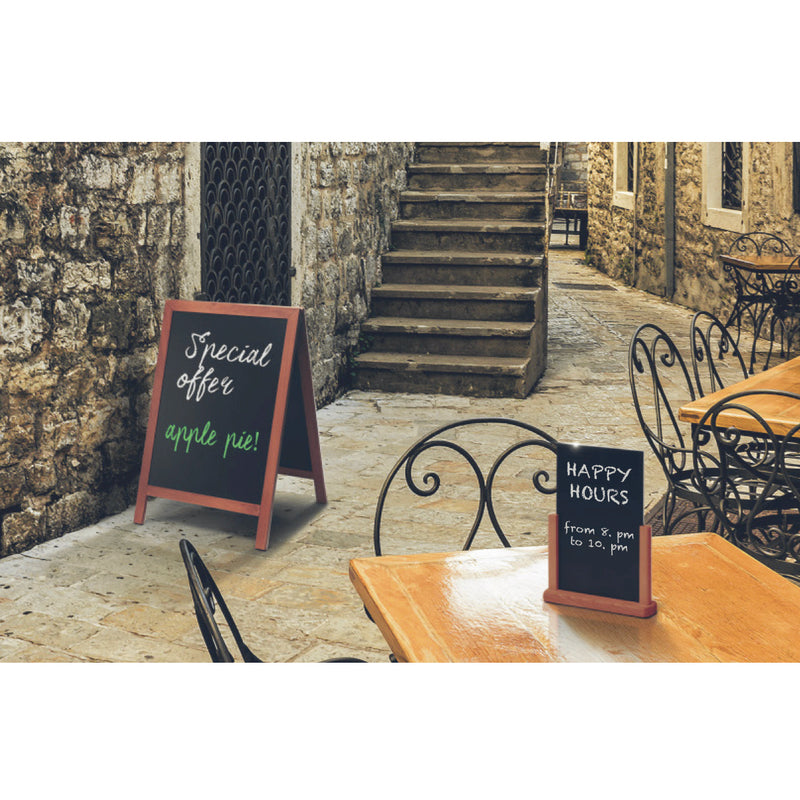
{"points": [[517, 236], [513, 304], [458, 267], [475, 205], [465, 257], [449, 337], [476, 152], [499, 177], [462, 305], [475, 376]]}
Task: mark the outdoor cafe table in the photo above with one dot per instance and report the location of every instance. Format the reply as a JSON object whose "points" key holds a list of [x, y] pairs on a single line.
{"points": [[715, 603], [781, 413], [763, 282]]}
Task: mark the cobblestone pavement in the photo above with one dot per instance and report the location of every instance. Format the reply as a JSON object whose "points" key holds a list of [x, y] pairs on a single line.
{"points": [[117, 591]]}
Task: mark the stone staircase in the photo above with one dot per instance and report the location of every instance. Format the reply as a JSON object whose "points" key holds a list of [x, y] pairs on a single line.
{"points": [[463, 304]]}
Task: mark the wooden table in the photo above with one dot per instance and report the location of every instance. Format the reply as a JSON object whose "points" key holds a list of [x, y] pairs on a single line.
{"points": [[781, 413], [715, 603], [761, 263]]}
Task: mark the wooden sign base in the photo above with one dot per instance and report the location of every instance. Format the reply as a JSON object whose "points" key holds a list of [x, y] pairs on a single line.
{"points": [[645, 607]]}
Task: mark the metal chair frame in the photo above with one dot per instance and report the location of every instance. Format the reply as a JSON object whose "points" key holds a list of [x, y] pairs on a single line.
{"points": [[207, 598], [432, 481], [711, 342], [653, 355], [759, 294], [785, 306], [751, 481]]}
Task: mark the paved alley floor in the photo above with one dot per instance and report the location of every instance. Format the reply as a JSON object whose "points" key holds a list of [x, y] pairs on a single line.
{"points": [[117, 591]]}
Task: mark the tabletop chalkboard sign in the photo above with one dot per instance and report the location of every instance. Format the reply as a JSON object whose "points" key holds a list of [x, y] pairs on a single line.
{"points": [[599, 550], [232, 406]]}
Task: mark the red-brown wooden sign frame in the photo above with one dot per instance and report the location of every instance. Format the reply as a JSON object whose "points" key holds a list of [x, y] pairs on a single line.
{"points": [[294, 351], [645, 606]]}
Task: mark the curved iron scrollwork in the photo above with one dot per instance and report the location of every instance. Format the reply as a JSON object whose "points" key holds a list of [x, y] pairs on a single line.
{"points": [[430, 481], [760, 243], [660, 383], [246, 222], [715, 354], [750, 476]]}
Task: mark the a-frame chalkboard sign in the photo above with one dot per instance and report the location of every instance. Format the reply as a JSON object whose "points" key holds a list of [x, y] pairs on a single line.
{"points": [[599, 552], [232, 407]]}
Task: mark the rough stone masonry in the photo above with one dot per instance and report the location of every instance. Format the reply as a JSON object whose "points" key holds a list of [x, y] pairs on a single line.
{"points": [[92, 241]]}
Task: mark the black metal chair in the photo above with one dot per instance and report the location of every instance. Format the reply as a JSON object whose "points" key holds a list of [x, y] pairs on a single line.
{"points": [[716, 359], [207, 598], [749, 475], [460, 447], [760, 295], [785, 308], [660, 383]]}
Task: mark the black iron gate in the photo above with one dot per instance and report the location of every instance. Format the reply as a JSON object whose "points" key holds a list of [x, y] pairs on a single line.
{"points": [[246, 222]]}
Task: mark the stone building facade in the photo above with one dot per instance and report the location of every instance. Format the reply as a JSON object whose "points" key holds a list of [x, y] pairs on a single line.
{"points": [[575, 167], [94, 238], [629, 214], [344, 198]]}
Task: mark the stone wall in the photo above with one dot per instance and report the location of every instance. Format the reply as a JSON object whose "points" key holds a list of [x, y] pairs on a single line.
{"points": [[629, 243], [93, 239], [345, 196], [575, 166]]}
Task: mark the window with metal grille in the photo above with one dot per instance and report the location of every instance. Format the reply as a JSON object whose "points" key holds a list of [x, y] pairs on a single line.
{"points": [[624, 174], [731, 186], [796, 176], [631, 164]]}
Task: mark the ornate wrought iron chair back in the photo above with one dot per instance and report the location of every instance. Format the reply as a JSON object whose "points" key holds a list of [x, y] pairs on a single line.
{"points": [[207, 598], [425, 479], [749, 475], [716, 359], [660, 383], [760, 243]]}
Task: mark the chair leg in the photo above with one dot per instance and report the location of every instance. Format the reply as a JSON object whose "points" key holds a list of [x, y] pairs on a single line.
{"points": [[667, 511]]}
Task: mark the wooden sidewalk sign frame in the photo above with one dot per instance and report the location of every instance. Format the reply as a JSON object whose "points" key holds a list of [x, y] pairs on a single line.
{"points": [[644, 607], [295, 351]]}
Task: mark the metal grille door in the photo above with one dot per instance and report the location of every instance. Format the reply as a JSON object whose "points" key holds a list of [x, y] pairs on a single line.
{"points": [[246, 222]]}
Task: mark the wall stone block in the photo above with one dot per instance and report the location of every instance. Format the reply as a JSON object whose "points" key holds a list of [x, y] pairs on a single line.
{"points": [[73, 224], [85, 277], [22, 529], [35, 276]]}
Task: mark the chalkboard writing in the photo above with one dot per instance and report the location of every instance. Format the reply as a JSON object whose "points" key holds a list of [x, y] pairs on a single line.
{"points": [[598, 538], [217, 404], [232, 406]]}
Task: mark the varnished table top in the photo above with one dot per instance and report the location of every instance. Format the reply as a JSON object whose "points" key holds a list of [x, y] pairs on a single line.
{"points": [[715, 603], [782, 413], [765, 262]]}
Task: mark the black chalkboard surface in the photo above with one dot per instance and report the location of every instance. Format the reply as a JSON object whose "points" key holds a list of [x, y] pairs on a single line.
{"points": [[599, 549], [232, 406]]}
